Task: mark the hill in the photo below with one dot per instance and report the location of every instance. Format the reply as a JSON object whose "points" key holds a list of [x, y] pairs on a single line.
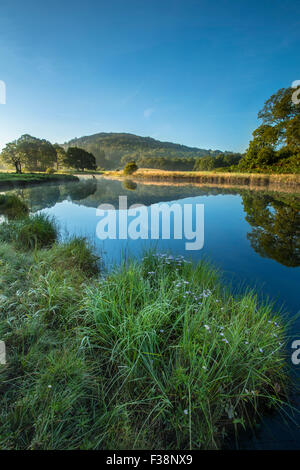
{"points": [[114, 149]]}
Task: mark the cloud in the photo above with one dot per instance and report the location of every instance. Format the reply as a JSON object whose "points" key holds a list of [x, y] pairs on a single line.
{"points": [[148, 112]]}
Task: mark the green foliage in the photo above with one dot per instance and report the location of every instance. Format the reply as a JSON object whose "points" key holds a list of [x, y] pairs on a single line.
{"points": [[12, 156], [220, 161], [61, 156], [130, 168], [112, 150], [12, 206], [30, 153], [166, 163], [205, 164], [28, 233], [276, 142], [80, 159], [132, 360]]}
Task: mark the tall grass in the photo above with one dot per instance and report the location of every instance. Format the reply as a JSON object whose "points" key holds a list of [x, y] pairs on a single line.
{"points": [[28, 233], [158, 354]]}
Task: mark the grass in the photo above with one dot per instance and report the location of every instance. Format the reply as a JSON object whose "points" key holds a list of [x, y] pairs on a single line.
{"points": [[28, 233], [12, 207], [157, 354], [12, 179], [219, 178]]}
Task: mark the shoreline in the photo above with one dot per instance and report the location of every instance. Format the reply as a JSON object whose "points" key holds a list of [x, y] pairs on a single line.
{"points": [[255, 181], [12, 180]]}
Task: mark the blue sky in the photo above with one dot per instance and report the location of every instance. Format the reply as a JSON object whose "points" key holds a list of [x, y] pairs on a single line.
{"points": [[194, 72]]}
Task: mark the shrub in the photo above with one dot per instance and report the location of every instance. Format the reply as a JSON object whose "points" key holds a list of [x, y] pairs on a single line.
{"points": [[130, 168]]}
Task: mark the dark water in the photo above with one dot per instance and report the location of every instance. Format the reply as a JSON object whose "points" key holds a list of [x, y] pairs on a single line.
{"points": [[254, 236]]}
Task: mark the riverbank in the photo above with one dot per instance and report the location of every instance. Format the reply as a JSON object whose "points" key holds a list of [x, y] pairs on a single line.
{"points": [[12, 180], [157, 353], [250, 180]]}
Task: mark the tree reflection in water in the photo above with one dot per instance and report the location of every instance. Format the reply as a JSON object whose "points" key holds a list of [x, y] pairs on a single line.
{"points": [[275, 219]]}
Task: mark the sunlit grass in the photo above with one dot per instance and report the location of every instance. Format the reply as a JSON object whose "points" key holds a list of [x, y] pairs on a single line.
{"points": [[157, 354], [254, 180]]}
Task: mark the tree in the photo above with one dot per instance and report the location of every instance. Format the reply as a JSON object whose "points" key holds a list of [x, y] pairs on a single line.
{"points": [[61, 156], [80, 159], [205, 164], [30, 152], [11, 155], [39, 154], [280, 128], [130, 168]]}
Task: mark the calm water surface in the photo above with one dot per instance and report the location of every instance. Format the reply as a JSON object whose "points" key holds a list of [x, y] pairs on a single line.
{"points": [[254, 236]]}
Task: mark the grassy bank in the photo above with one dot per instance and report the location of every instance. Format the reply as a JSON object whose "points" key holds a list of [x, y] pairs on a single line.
{"points": [[157, 354], [252, 180], [11, 180]]}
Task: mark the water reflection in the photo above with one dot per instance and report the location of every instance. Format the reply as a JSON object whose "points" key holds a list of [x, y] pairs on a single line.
{"points": [[274, 217], [276, 226]]}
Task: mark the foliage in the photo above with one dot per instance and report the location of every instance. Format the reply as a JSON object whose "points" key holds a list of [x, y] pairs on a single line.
{"points": [[220, 161], [165, 163], [30, 152], [61, 156], [130, 168], [276, 142], [80, 159], [12, 156]]}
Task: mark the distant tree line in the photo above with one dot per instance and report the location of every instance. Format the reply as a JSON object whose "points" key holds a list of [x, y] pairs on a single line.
{"points": [[33, 154], [205, 163], [221, 161]]}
